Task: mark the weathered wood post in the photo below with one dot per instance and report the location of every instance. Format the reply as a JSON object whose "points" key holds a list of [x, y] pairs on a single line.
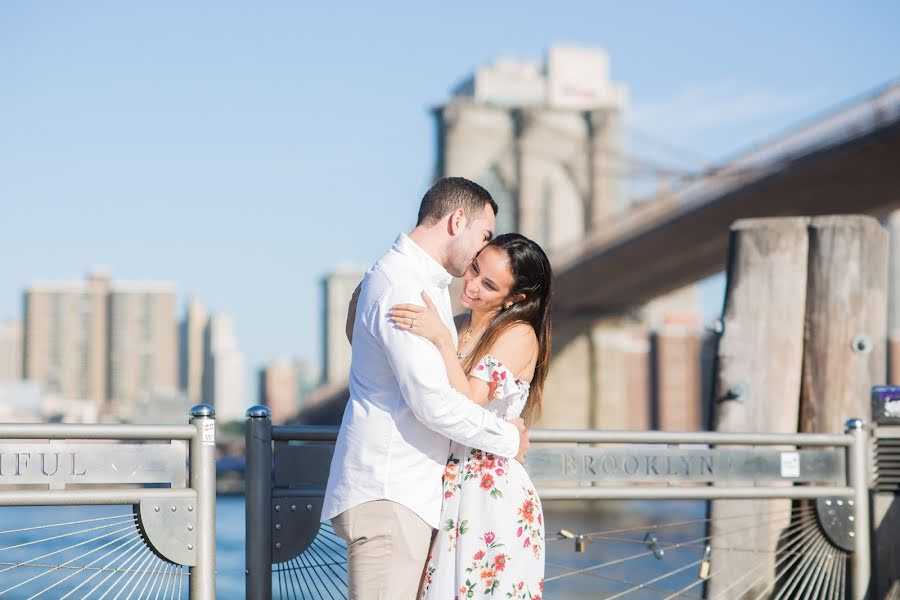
{"points": [[758, 384], [845, 353], [806, 302]]}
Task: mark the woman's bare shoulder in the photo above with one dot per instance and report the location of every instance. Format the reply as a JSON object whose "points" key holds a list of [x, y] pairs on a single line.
{"points": [[517, 334], [517, 347]]}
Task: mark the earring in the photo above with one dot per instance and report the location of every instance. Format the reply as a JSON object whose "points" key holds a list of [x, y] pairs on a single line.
{"points": [[507, 305]]}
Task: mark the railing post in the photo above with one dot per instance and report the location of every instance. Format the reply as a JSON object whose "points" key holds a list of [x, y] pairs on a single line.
{"points": [[258, 478], [861, 558], [203, 482]]}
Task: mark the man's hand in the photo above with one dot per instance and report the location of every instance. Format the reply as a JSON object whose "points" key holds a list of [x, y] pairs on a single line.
{"points": [[523, 439]]}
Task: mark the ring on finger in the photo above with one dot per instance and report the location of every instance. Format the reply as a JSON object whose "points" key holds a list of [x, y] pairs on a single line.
{"points": [[412, 323]]}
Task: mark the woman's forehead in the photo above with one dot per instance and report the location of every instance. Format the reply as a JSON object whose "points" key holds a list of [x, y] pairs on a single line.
{"points": [[494, 263]]}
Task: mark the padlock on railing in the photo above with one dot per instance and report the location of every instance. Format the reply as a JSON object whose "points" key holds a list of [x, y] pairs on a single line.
{"points": [[579, 539], [704, 564], [652, 543]]}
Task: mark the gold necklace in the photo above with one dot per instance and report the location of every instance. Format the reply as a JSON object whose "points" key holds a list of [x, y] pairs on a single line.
{"points": [[463, 341], [468, 334]]}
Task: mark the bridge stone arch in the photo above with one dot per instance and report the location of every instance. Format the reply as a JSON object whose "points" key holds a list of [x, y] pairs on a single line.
{"points": [[552, 168]]}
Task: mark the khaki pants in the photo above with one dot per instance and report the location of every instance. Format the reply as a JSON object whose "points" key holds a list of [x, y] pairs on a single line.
{"points": [[387, 546]]}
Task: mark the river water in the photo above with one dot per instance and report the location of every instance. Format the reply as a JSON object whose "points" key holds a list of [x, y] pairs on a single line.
{"points": [[619, 527]]}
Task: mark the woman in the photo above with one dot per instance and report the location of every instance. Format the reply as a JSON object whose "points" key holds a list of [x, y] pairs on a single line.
{"points": [[492, 536]]}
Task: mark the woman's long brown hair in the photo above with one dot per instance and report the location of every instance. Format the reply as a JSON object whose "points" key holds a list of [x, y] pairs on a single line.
{"points": [[533, 278]]}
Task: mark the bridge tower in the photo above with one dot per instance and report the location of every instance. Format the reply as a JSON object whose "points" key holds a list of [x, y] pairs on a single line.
{"points": [[546, 141]]}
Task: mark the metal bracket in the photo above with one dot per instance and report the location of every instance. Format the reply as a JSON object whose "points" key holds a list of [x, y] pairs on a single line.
{"points": [[295, 524], [170, 529], [836, 517]]}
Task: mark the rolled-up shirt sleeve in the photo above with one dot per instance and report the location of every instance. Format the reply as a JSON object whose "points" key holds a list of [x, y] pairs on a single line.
{"points": [[425, 386]]}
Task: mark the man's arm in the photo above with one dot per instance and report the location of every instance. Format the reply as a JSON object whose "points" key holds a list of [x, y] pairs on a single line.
{"points": [[426, 389]]}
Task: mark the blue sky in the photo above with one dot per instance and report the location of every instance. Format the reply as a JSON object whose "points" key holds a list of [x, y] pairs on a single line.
{"points": [[242, 149]]}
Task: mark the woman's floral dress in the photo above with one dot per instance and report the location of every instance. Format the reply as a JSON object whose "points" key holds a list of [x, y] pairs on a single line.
{"points": [[491, 537]]}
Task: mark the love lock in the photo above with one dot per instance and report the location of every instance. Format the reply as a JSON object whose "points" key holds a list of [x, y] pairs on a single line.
{"points": [[579, 539], [652, 543], [704, 565]]}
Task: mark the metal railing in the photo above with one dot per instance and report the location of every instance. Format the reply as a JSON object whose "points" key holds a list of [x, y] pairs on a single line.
{"points": [[165, 473], [287, 468]]}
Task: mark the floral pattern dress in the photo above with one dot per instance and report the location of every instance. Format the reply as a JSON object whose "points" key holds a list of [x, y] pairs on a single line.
{"points": [[491, 538]]}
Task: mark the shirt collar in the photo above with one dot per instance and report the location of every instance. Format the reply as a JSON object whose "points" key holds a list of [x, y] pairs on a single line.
{"points": [[432, 269]]}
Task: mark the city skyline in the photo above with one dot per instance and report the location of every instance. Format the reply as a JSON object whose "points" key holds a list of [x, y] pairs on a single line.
{"points": [[227, 149], [100, 348]]}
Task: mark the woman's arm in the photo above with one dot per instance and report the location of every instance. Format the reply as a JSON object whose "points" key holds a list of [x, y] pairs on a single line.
{"points": [[516, 348], [476, 389], [425, 322]]}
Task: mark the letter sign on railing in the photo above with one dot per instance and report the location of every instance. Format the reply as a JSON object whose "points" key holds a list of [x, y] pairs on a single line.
{"points": [[92, 464], [675, 465]]}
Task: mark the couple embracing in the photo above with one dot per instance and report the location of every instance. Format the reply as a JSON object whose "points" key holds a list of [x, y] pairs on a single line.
{"points": [[426, 484]]}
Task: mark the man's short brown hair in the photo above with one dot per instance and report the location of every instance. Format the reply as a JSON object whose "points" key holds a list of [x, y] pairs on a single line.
{"points": [[451, 193]]}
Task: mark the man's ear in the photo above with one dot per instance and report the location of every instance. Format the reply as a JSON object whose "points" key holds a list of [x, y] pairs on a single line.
{"points": [[457, 222]]}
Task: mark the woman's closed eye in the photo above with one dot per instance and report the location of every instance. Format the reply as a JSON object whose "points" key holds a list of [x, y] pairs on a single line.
{"points": [[487, 282]]}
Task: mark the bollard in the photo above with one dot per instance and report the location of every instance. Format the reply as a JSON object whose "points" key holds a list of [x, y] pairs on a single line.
{"points": [[258, 478], [861, 558], [203, 482]]}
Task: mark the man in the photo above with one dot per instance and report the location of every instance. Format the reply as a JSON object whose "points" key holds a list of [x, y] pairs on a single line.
{"points": [[384, 490]]}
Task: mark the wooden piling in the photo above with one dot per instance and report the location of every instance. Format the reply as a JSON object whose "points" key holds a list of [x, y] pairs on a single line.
{"points": [[758, 385], [845, 351], [805, 338]]}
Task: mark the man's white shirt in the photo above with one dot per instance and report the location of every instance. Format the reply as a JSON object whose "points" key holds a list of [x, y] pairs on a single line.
{"points": [[393, 443]]}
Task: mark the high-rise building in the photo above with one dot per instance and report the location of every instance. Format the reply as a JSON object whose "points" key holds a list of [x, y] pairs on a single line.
{"points": [[191, 350], [11, 351], [223, 375], [677, 361], [309, 377], [337, 289], [66, 337], [143, 347], [113, 348], [279, 388], [678, 350]]}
